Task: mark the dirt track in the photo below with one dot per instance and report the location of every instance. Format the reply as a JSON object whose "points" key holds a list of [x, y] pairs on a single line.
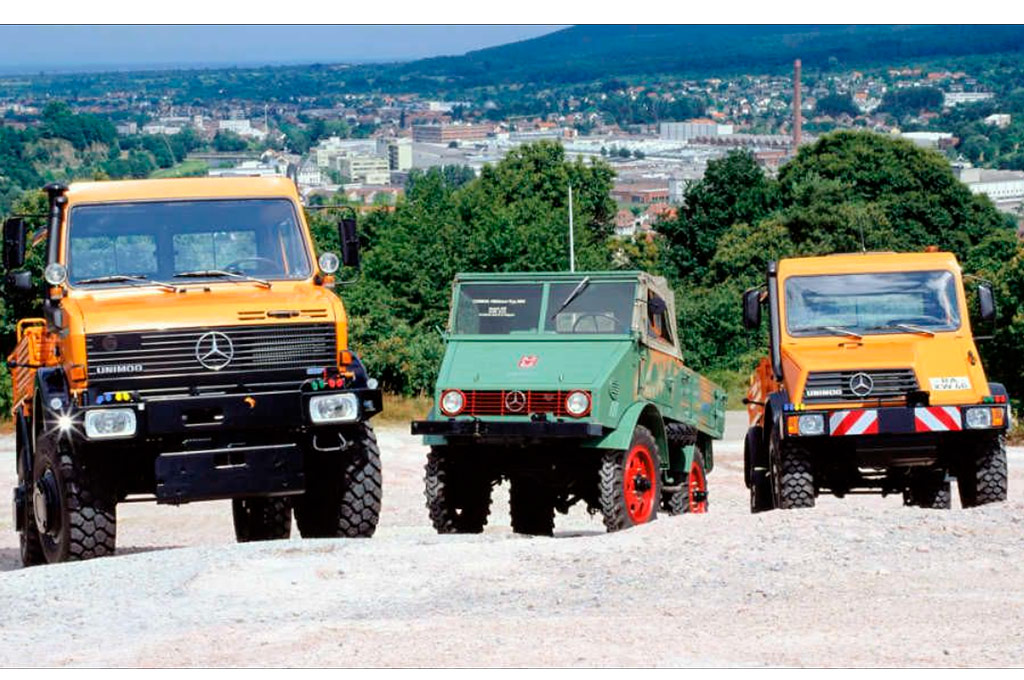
{"points": [[860, 582]]}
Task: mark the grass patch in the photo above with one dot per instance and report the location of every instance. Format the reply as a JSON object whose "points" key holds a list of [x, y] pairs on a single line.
{"points": [[191, 168], [399, 409]]}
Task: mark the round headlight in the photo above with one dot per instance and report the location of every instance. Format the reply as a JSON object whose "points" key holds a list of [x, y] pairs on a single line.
{"points": [[452, 402], [55, 274], [329, 263], [978, 418], [577, 403]]}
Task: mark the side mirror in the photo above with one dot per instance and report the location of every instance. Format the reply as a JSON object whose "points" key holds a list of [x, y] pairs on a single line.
{"points": [[15, 236], [986, 303], [752, 309], [349, 238], [20, 280]]}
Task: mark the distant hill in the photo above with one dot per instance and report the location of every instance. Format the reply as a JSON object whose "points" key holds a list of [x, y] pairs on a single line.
{"points": [[584, 53]]}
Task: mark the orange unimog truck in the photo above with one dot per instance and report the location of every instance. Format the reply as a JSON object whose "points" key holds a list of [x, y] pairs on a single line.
{"points": [[873, 384], [190, 349]]}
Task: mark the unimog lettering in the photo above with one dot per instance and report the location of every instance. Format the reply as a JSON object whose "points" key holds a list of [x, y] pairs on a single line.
{"points": [[168, 366], [599, 408]]}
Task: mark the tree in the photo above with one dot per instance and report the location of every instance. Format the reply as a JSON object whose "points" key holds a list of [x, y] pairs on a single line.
{"points": [[226, 140], [836, 105]]}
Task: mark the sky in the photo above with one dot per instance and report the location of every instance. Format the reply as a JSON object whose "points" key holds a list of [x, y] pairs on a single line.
{"points": [[32, 48]]}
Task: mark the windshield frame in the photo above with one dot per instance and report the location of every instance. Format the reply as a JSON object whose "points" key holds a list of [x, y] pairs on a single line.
{"points": [[819, 332], [547, 304], [307, 248]]}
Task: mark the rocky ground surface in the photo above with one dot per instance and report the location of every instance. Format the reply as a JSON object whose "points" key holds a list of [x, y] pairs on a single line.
{"points": [[858, 582]]}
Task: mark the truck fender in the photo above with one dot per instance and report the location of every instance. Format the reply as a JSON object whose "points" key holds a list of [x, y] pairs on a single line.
{"points": [[23, 445], [53, 396], [773, 412], [755, 453], [998, 390], [642, 413]]}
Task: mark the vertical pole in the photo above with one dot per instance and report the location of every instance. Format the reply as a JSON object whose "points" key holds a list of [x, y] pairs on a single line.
{"points": [[572, 245]]}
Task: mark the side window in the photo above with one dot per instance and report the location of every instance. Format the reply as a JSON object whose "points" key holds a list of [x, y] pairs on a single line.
{"points": [[658, 322]]}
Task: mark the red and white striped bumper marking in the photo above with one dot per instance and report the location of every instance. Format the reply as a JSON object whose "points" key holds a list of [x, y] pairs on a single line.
{"points": [[937, 419], [858, 421]]}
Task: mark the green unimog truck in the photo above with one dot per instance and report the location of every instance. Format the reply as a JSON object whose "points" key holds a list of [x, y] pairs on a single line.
{"points": [[571, 386]]}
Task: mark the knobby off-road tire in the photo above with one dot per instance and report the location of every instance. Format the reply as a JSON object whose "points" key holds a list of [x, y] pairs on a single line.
{"points": [[532, 507], [928, 491], [629, 482], [983, 477], [793, 476], [458, 492], [81, 520], [343, 491], [30, 547], [261, 519]]}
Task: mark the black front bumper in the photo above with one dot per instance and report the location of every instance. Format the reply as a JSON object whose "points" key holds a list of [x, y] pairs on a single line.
{"points": [[542, 429], [227, 445]]}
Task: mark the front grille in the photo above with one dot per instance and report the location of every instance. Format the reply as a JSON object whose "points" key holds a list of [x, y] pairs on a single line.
{"points": [[886, 385], [498, 402], [254, 350]]}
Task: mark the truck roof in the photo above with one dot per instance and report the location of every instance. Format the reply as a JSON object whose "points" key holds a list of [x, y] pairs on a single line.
{"points": [[181, 188], [626, 275], [852, 263]]}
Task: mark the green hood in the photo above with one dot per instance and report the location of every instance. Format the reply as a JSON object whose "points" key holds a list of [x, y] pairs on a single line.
{"points": [[501, 364]]}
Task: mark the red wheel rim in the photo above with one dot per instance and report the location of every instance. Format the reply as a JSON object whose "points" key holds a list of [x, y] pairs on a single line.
{"points": [[697, 488], [638, 482]]}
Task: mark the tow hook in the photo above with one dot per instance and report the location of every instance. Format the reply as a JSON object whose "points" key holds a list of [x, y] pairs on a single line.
{"points": [[46, 503]]}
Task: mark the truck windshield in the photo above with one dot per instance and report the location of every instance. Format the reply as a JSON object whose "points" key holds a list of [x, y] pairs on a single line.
{"points": [[160, 240], [852, 305], [514, 308]]}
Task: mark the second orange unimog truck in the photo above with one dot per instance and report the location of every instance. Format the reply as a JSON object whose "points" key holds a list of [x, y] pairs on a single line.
{"points": [[873, 384], [190, 349]]}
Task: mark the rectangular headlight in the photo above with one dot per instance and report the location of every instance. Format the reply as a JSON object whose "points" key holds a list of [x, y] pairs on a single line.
{"points": [[110, 423], [983, 417], [806, 425], [334, 408]]}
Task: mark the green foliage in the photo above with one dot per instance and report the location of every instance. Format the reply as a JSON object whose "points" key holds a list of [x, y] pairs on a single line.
{"points": [[226, 140], [911, 101], [734, 189], [836, 105], [514, 217]]}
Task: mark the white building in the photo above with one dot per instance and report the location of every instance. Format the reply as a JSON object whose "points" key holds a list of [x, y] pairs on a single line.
{"points": [[398, 152], [251, 169], [693, 129], [927, 140], [1000, 120], [365, 169], [1004, 187], [950, 99], [309, 175], [241, 127]]}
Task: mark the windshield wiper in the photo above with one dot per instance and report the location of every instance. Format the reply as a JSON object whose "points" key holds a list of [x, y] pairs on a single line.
{"points": [[128, 278], [582, 286], [220, 273], [903, 327], [835, 330]]}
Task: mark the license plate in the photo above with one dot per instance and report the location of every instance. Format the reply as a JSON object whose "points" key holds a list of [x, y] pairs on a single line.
{"points": [[951, 384]]}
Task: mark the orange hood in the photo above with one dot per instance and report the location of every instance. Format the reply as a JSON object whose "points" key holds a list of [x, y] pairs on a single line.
{"points": [[214, 304], [944, 356]]}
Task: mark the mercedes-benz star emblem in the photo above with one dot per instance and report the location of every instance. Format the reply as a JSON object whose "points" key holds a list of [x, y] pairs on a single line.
{"points": [[861, 384], [214, 350], [515, 402]]}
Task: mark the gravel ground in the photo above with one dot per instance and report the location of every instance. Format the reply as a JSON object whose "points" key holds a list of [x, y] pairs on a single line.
{"points": [[858, 582]]}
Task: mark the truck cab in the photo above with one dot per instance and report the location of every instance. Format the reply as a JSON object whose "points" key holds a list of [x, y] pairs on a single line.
{"points": [[873, 383], [571, 387], [190, 348]]}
